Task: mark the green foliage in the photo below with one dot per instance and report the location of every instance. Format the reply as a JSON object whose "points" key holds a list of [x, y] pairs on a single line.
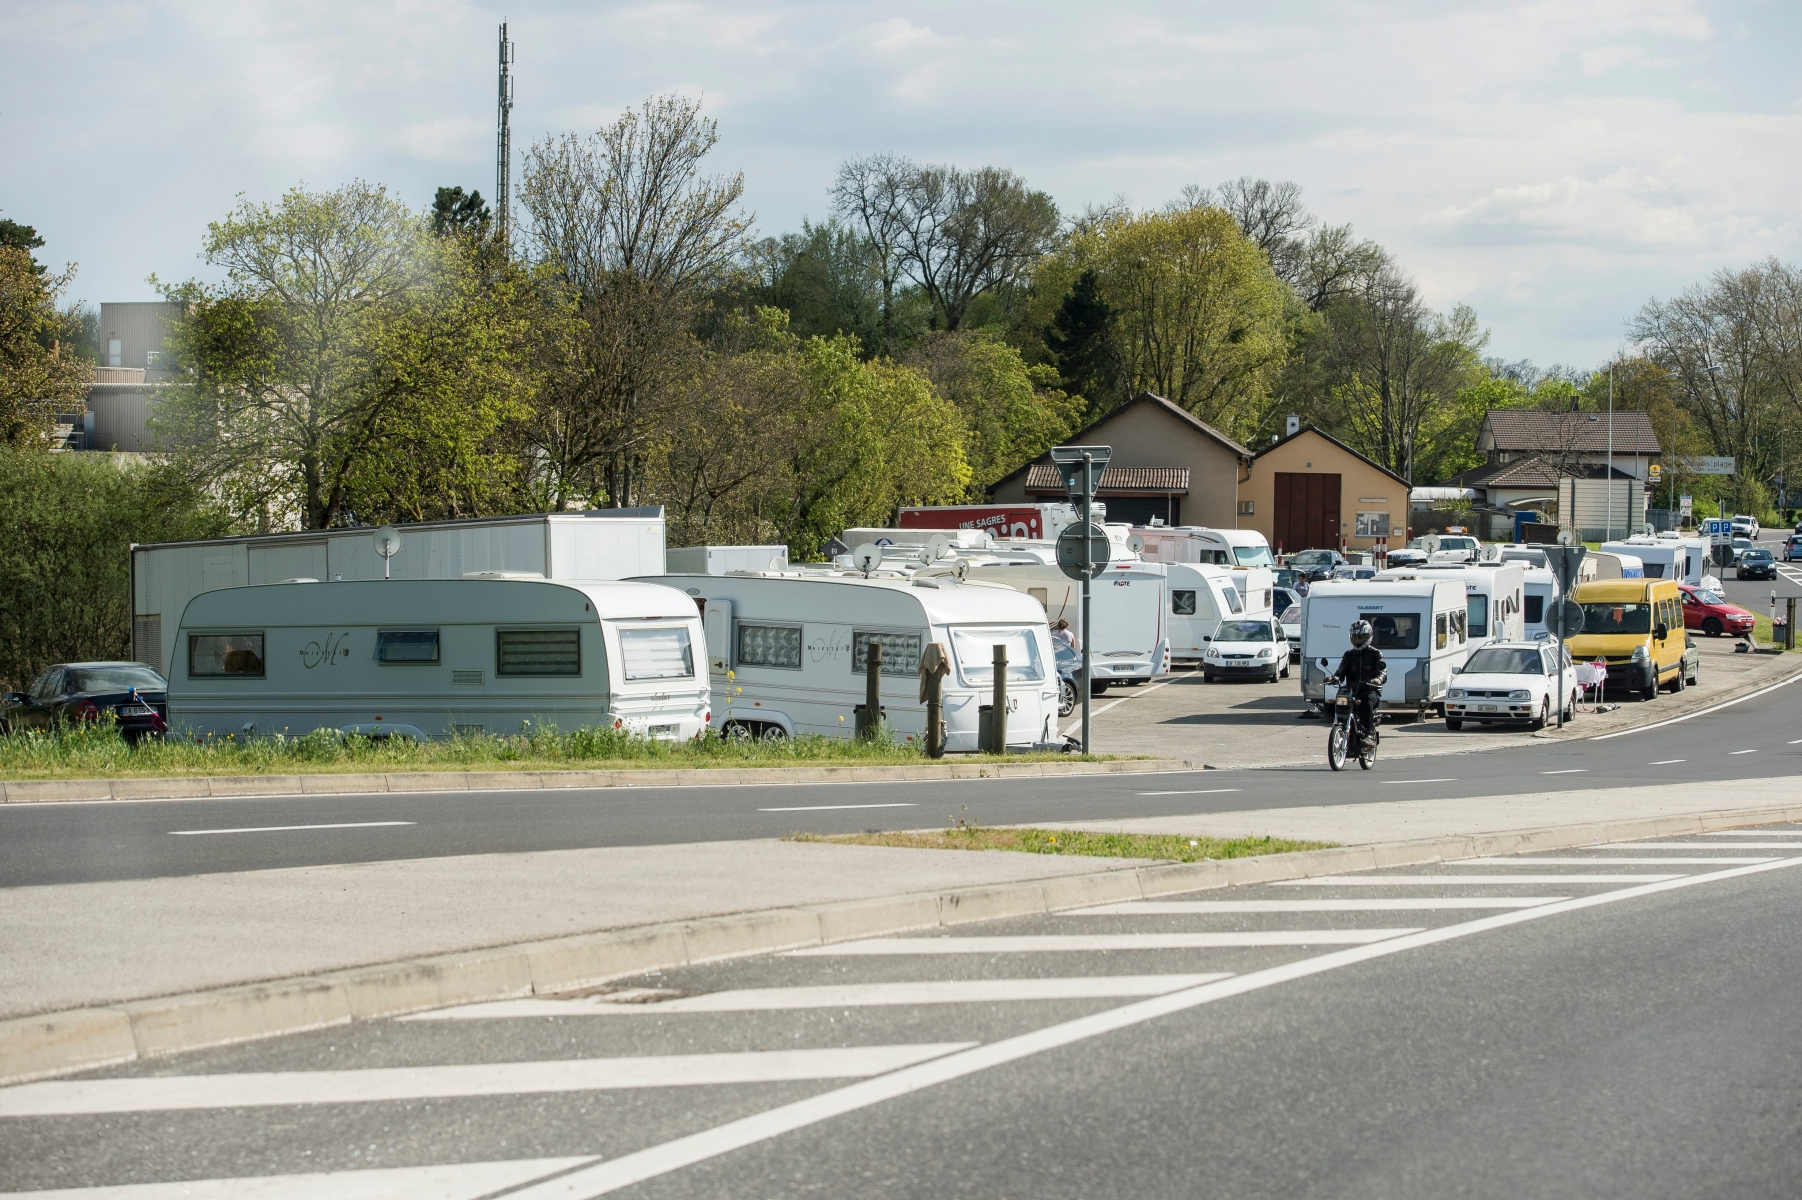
{"points": [[454, 211], [64, 562], [1080, 339], [1011, 412], [1168, 847], [35, 376]]}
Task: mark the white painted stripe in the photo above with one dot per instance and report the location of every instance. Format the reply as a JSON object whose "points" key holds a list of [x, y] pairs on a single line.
{"points": [[1447, 779], [844, 995], [1731, 753], [1198, 792], [1701, 712], [289, 828], [1796, 742], [1598, 860], [1136, 693], [654, 1161], [1569, 771], [1177, 908], [259, 1089], [1702, 846], [1088, 943], [1754, 833], [1465, 880], [1665, 762], [837, 807], [451, 1181]]}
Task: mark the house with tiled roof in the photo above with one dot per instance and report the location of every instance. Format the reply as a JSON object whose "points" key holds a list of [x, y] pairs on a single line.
{"points": [[1592, 469]]}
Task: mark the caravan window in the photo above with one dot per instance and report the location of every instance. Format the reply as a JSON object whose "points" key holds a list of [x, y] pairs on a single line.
{"points": [[538, 652], [217, 654], [975, 649], [418, 646], [900, 651], [770, 646], [1253, 556], [1460, 626], [1182, 603], [1654, 570], [657, 653], [1535, 610], [1440, 631], [1479, 615], [1394, 631], [1233, 603]]}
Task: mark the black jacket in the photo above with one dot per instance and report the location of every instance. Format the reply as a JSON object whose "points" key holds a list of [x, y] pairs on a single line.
{"points": [[1363, 664]]}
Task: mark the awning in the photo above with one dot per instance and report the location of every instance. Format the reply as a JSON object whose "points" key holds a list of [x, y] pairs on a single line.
{"points": [[1043, 480]]}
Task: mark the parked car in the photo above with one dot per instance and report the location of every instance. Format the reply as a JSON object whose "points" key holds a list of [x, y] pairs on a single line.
{"points": [[1707, 611], [1756, 563], [1290, 620], [71, 693], [1692, 661], [1282, 599], [1069, 676], [1315, 565], [1510, 683], [1792, 548], [1247, 648]]}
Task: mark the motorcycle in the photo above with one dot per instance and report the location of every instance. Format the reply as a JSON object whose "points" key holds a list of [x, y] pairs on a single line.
{"points": [[1344, 734]]}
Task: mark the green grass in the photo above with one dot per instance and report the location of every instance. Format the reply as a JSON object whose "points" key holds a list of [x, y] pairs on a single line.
{"points": [[97, 751], [1761, 629], [1069, 841]]}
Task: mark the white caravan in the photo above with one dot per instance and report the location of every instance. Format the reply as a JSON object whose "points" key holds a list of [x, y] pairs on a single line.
{"points": [[1613, 565], [1495, 593], [1419, 623], [1244, 550], [788, 652], [1663, 558], [1540, 599], [434, 658], [604, 543], [1201, 596], [717, 560]]}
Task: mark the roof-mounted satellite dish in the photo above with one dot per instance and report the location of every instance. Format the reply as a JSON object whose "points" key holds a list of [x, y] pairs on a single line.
{"points": [[387, 544], [867, 558], [938, 546], [1136, 543], [962, 567]]}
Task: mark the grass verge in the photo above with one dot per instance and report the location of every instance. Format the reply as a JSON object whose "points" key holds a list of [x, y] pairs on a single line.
{"points": [[1071, 841], [1761, 631], [98, 752]]}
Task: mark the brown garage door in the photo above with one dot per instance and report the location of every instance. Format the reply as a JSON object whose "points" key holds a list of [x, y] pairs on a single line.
{"points": [[1306, 514]]}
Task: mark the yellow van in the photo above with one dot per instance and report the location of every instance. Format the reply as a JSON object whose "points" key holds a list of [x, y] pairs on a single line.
{"points": [[1636, 627]]}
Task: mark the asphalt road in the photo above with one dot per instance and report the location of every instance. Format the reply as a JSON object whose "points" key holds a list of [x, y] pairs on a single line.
{"points": [[1603, 1028], [66, 843]]}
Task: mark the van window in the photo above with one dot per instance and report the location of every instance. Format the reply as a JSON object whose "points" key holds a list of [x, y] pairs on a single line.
{"points": [[1439, 631], [216, 654], [1608, 617], [900, 651], [1460, 626], [1394, 631], [538, 652], [660, 652], [975, 650], [1182, 603], [1479, 615], [1535, 610], [411, 646], [770, 646]]}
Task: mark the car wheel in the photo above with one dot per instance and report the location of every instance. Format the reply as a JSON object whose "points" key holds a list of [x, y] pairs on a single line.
{"points": [[1677, 684], [1650, 691], [1538, 723], [1066, 697], [1097, 687], [1712, 627], [738, 731], [1207, 677], [1454, 724]]}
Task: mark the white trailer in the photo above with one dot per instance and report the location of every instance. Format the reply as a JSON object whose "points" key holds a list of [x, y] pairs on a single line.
{"points": [[606, 543], [1540, 599], [1201, 544], [1038, 522], [1419, 623], [434, 658], [1495, 594], [1201, 596], [788, 652], [1663, 558], [717, 560]]}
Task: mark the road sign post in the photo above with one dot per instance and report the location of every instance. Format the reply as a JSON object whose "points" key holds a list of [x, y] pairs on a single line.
{"points": [[1080, 466], [1567, 618]]}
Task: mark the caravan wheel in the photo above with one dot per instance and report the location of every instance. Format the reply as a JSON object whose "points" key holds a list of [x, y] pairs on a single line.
{"points": [[774, 733], [737, 731]]}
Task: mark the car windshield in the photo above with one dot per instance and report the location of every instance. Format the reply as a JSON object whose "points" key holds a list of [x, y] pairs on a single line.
{"points": [[1253, 556], [1706, 597], [1497, 660], [99, 680], [1292, 615], [1605, 617], [1742, 543], [1457, 543], [1244, 631], [1758, 554], [1309, 558]]}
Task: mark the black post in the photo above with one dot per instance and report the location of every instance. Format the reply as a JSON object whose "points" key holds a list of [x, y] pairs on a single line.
{"points": [[869, 719], [1789, 624], [998, 717], [1088, 569]]}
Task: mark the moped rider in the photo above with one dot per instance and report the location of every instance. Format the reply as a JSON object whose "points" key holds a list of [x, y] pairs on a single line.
{"points": [[1363, 670]]}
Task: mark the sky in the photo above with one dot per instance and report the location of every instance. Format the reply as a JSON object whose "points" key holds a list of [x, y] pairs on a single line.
{"points": [[1554, 165]]}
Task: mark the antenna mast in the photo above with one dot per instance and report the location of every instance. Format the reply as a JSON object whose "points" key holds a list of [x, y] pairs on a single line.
{"points": [[503, 151]]}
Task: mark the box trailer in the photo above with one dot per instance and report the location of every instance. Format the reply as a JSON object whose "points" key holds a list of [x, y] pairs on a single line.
{"points": [[788, 653], [717, 560], [1201, 596], [431, 658], [1032, 521], [606, 543]]}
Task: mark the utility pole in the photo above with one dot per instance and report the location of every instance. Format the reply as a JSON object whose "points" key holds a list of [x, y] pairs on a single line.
{"points": [[503, 150], [1609, 473]]}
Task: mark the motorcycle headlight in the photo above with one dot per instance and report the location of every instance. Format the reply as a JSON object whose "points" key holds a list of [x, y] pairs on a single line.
{"points": [[1457, 693], [1519, 694], [1639, 654]]}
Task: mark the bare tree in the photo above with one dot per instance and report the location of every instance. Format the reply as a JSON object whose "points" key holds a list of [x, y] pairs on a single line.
{"points": [[871, 194]]}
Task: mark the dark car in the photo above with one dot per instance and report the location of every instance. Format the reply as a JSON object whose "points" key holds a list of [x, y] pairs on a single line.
{"points": [[1315, 564], [1069, 677], [72, 693], [1756, 563]]}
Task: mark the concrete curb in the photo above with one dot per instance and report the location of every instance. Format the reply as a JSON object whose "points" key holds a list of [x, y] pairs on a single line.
{"points": [[78, 1039], [214, 787]]}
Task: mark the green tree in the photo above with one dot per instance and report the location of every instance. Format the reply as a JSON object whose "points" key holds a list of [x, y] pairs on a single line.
{"points": [[455, 211], [1011, 412], [36, 375], [1080, 340]]}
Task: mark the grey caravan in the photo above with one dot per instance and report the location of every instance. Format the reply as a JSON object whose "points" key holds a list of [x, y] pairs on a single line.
{"points": [[431, 658], [788, 652], [1418, 624]]}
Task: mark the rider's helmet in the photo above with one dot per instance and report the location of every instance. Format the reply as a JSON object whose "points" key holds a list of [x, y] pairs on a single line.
{"points": [[1360, 633]]}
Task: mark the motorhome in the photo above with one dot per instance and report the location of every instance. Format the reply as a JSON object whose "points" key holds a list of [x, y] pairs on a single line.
{"points": [[1419, 623], [1539, 592], [605, 543], [423, 659], [1663, 558], [1202, 544], [788, 652], [1201, 596], [1496, 594]]}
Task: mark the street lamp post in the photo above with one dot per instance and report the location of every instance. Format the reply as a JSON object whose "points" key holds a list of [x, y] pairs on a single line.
{"points": [[1608, 472]]}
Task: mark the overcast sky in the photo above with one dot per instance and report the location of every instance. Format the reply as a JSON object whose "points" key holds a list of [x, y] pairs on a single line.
{"points": [[1552, 164]]}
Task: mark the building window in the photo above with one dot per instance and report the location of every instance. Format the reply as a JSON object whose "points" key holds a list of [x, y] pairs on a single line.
{"points": [[1372, 525], [538, 652], [1245, 508]]}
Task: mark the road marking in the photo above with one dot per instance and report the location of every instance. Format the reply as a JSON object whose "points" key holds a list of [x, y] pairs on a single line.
{"points": [[1731, 753], [259, 1089], [837, 807], [1665, 762], [450, 1181], [1096, 712], [1796, 742], [1699, 846], [1465, 880], [1701, 712], [842, 995], [1201, 792], [288, 828], [1447, 779], [1755, 833], [1549, 859], [1088, 943], [1175, 908], [1568, 771], [654, 1161]]}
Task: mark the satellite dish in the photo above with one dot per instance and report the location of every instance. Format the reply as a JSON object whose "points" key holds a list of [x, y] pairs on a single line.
{"points": [[387, 544], [867, 558], [1136, 543], [937, 546], [962, 567]]}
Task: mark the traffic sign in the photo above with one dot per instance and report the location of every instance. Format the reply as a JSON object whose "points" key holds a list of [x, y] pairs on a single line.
{"points": [[1708, 465], [1717, 526], [1068, 460], [1570, 618], [1070, 551]]}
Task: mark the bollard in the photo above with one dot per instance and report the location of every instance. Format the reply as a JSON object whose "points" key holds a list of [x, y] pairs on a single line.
{"points": [[869, 713], [935, 664], [998, 720], [1789, 624]]}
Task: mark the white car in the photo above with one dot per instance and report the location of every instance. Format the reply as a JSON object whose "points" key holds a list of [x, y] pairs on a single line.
{"points": [[1510, 683], [1745, 526], [1290, 620], [1242, 648]]}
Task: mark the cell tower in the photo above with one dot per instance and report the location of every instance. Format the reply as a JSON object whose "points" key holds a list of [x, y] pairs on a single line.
{"points": [[503, 150]]}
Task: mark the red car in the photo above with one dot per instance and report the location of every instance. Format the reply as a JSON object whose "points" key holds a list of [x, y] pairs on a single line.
{"points": [[1713, 615]]}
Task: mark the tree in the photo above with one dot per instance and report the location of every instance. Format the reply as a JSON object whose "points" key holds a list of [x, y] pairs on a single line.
{"points": [[1011, 412], [36, 375], [1080, 339], [828, 279], [871, 195], [453, 211], [14, 236]]}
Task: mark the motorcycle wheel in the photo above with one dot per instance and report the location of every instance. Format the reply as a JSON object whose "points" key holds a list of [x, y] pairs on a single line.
{"points": [[1335, 747], [1368, 758]]}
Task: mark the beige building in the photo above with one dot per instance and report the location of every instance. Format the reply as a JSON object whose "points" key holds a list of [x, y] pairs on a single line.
{"points": [[1310, 491], [1166, 464], [133, 362]]}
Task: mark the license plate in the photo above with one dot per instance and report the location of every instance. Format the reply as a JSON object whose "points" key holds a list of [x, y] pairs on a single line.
{"points": [[656, 730], [1488, 708], [135, 710]]}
